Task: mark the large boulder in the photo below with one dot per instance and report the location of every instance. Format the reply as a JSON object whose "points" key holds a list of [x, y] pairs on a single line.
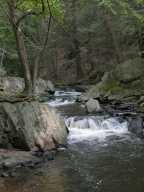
{"points": [[125, 80], [129, 70], [16, 84], [105, 87], [26, 125], [93, 105]]}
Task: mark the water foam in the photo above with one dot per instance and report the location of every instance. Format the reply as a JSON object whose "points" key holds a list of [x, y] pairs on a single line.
{"points": [[67, 93], [89, 128], [64, 98], [60, 102]]}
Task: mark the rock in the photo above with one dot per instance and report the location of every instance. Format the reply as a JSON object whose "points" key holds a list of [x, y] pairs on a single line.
{"points": [[124, 81], [43, 85], [93, 105], [129, 70], [12, 84], [82, 98], [141, 100], [2, 72], [10, 161], [26, 125], [50, 86], [136, 125], [104, 88], [16, 84]]}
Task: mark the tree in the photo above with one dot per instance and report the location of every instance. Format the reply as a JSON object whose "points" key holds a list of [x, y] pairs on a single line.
{"points": [[17, 13]]}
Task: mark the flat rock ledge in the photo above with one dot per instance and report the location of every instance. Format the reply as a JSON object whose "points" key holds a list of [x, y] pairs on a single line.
{"points": [[11, 161]]}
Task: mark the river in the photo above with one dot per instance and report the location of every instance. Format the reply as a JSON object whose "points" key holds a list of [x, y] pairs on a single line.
{"points": [[102, 156]]}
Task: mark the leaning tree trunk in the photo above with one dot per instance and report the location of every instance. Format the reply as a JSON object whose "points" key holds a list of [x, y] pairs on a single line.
{"points": [[21, 49], [24, 61]]}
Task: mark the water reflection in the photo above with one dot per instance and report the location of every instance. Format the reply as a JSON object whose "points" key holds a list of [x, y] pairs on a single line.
{"points": [[113, 165]]}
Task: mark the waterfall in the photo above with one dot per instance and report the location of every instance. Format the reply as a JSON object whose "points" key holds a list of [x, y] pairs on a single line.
{"points": [[88, 128], [67, 93], [60, 102], [64, 98]]}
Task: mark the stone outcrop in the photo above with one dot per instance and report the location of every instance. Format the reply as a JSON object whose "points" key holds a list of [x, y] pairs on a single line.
{"points": [[125, 80], [93, 105], [16, 84], [27, 125]]}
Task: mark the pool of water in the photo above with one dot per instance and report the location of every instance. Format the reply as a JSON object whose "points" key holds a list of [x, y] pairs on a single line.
{"points": [[114, 164]]}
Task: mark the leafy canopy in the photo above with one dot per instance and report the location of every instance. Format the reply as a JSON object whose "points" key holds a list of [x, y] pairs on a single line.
{"points": [[42, 7], [123, 7]]}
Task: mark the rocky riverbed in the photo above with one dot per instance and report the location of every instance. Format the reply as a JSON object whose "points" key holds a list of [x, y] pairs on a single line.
{"points": [[20, 125]]}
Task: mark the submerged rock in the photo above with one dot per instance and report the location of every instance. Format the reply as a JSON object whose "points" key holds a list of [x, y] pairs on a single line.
{"points": [[93, 105], [11, 162], [136, 126], [30, 125]]}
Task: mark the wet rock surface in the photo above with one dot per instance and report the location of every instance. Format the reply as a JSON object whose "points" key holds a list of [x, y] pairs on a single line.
{"points": [[93, 105], [11, 161]]}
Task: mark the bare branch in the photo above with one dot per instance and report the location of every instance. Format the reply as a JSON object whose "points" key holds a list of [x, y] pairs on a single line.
{"points": [[31, 13], [24, 16]]}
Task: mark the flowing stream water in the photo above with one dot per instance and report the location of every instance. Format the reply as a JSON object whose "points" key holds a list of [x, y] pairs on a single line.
{"points": [[102, 156]]}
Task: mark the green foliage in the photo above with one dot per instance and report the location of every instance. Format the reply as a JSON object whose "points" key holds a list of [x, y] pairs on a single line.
{"points": [[44, 7], [29, 25], [121, 7]]}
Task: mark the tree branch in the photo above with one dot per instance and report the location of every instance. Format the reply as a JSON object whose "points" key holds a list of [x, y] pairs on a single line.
{"points": [[24, 16], [31, 13]]}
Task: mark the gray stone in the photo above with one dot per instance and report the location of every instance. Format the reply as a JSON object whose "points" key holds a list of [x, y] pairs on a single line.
{"points": [[16, 84], [83, 98], [29, 125], [93, 106], [136, 126], [43, 85], [50, 86], [125, 80], [130, 70], [2, 72], [141, 100]]}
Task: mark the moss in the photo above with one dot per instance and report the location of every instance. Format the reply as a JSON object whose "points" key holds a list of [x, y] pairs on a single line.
{"points": [[112, 86]]}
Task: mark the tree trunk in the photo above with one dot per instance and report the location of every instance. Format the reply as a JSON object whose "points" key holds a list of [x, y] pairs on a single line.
{"points": [[40, 54], [24, 61], [76, 43], [78, 59], [21, 49], [108, 24], [141, 41]]}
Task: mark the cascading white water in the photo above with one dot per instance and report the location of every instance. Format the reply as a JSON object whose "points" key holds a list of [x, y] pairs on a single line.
{"points": [[88, 128], [60, 102], [67, 93], [64, 98]]}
